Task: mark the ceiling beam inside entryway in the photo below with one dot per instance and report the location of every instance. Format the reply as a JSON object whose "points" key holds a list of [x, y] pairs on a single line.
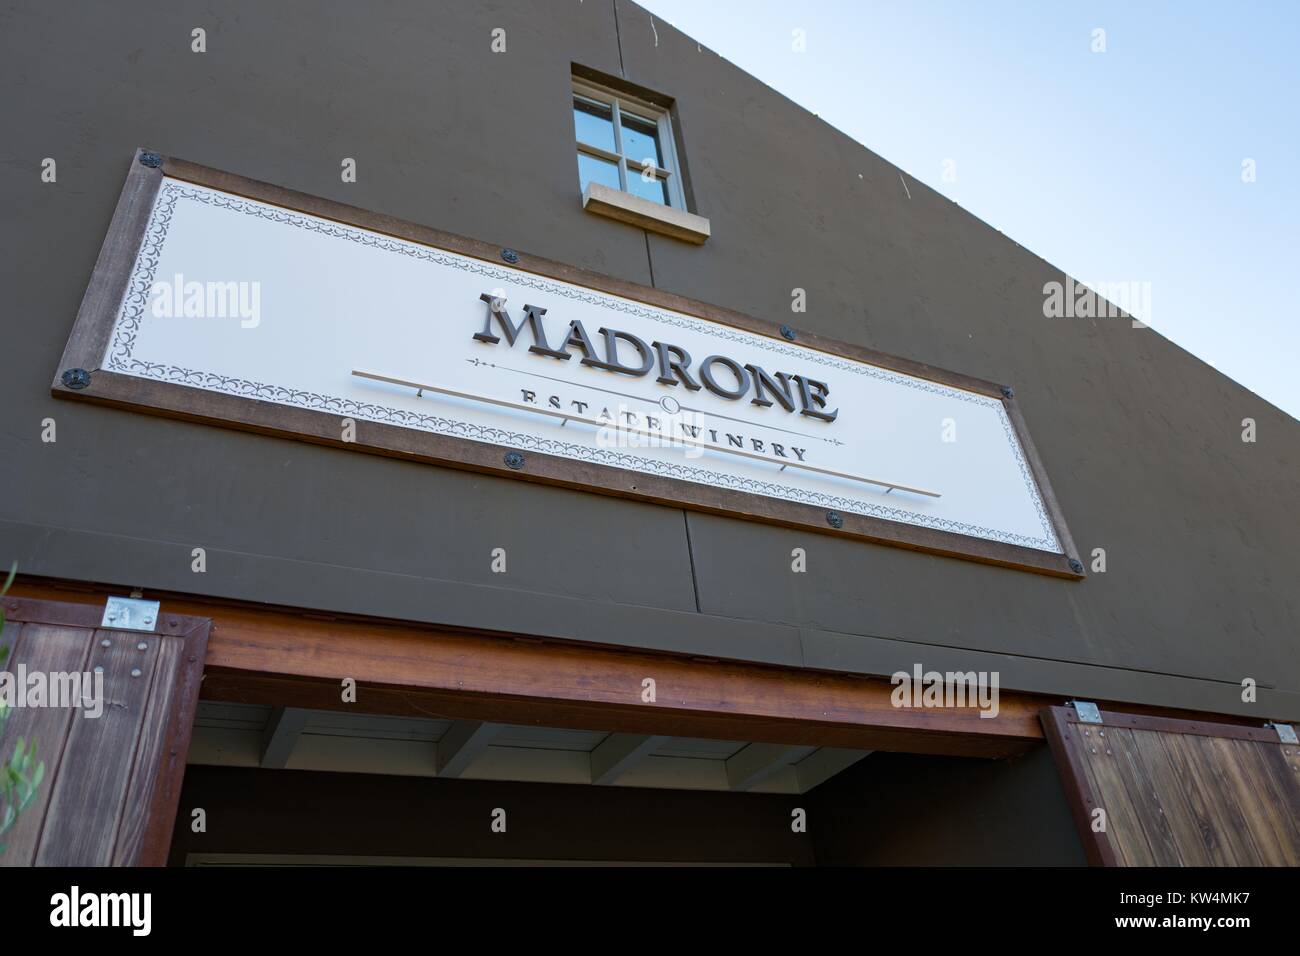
{"points": [[753, 764], [283, 728], [462, 744], [618, 753]]}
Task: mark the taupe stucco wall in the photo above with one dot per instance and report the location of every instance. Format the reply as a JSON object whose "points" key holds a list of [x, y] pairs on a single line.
{"points": [[1142, 441]]}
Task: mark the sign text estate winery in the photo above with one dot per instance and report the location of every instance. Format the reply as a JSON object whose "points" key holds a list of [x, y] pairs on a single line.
{"points": [[370, 327]]}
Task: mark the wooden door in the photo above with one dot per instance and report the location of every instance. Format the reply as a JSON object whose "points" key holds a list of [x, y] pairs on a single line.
{"points": [[111, 782], [1151, 791]]}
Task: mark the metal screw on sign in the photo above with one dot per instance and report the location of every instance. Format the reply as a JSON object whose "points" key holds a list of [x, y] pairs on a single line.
{"points": [[76, 378], [514, 460], [835, 519], [509, 255], [1008, 392], [152, 160], [787, 333]]}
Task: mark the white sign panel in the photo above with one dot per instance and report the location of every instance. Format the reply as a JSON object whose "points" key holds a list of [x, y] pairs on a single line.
{"points": [[241, 297]]}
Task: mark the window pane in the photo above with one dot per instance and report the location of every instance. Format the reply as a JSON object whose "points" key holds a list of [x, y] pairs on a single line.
{"points": [[641, 140], [593, 123], [654, 188], [591, 169]]}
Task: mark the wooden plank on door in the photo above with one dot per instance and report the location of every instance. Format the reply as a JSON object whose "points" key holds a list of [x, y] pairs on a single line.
{"points": [[1149, 802], [1222, 846], [43, 648], [1123, 812], [87, 804], [145, 838], [1263, 814]]}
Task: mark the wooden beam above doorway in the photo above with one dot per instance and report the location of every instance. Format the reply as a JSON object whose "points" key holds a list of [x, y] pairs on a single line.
{"points": [[287, 658]]}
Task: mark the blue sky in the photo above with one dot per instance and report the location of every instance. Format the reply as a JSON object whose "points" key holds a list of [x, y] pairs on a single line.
{"points": [[1123, 165]]}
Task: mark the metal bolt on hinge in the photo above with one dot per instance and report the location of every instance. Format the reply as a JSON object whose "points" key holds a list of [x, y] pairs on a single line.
{"points": [[1285, 733], [1088, 712], [787, 333], [835, 519], [152, 160], [129, 614], [509, 255], [77, 378], [514, 460]]}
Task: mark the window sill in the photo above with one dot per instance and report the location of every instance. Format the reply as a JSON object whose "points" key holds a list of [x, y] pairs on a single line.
{"points": [[645, 214]]}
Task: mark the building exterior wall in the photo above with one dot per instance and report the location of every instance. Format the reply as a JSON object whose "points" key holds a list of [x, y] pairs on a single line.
{"points": [[1141, 440]]}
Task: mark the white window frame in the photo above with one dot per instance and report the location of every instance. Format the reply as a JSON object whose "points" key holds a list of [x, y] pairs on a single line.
{"points": [[641, 109]]}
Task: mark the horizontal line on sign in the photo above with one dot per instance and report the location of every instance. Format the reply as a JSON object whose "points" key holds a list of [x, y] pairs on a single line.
{"points": [[651, 401], [600, 423]]}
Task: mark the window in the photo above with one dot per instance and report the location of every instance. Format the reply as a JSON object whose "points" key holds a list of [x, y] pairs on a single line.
{"points": [[625, 144]]}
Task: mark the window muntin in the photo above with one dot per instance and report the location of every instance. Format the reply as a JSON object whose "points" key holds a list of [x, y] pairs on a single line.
{"points": [[625, 144]]}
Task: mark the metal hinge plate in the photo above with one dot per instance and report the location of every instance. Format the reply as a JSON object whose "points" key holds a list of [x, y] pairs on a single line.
{"points": [[1285, 733], [130, 614], [1088, 712]]}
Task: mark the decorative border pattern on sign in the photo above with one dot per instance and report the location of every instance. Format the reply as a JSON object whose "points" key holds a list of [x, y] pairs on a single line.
{"points": [[126, 329]]}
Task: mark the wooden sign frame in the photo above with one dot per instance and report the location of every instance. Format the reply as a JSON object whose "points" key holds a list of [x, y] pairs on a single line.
{"points": [[81, 376]]}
